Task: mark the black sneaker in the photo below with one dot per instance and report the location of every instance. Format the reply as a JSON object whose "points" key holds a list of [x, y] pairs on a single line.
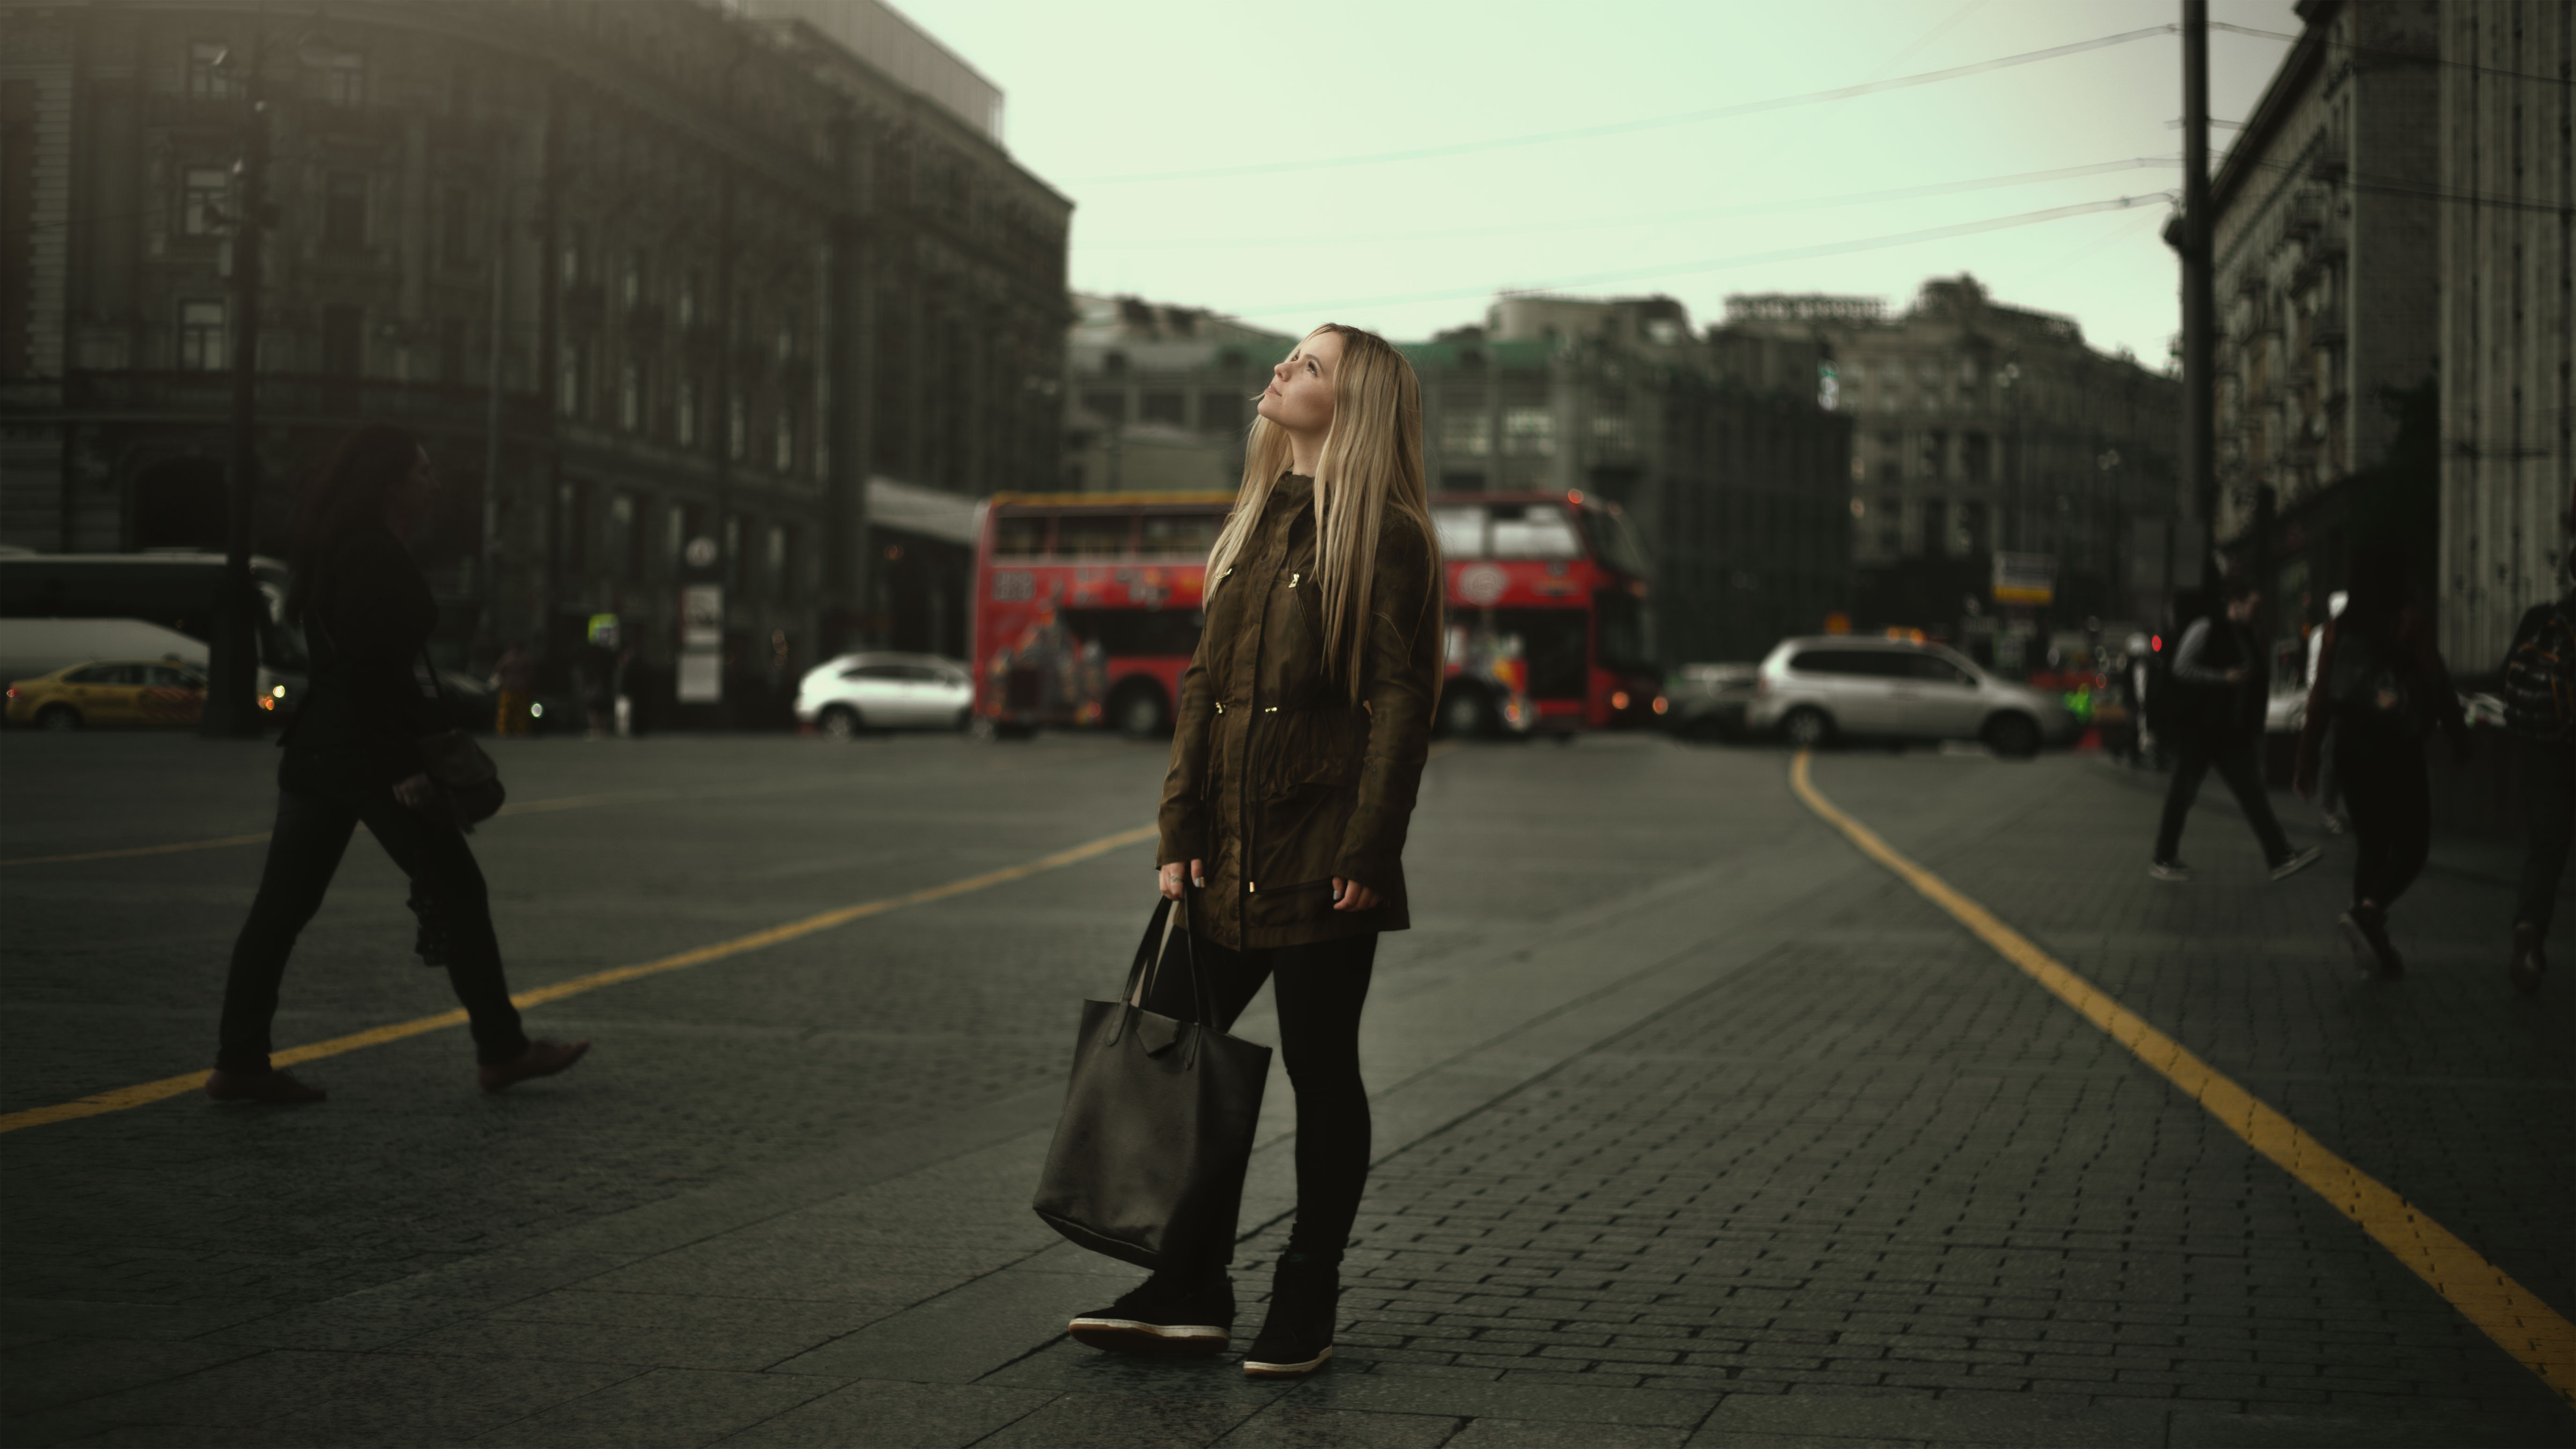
{"points": [[1297, 1334], [2296, 861], [2365, 933], [2529, 965], [1163, 1315]]}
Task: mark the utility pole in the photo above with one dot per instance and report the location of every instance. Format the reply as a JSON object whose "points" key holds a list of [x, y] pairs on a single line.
{"points": [[233, 654], [2199, 341]]}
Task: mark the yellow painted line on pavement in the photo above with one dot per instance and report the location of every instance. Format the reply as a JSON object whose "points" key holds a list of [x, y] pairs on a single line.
{"points": [[169, 849], [149, 1092], [2504, 1310]]}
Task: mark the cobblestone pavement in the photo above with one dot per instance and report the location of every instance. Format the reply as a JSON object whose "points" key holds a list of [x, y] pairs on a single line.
{"points": [[1696, 1127]]}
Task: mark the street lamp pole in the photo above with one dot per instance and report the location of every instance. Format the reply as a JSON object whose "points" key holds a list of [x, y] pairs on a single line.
{"points": [[233, 653]]}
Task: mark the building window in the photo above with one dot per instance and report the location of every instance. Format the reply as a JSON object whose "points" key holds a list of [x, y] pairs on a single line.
{"points": [[203, 191], [201, 336], [1109, 407], [786, 340], [737, 428], [620, 543], [675, 537], [689, 301], [341, 79], [576, 246], [451, 351], [684, 415], [775, 569], [343, 341], [572, 380], [344, 210], [1165, 407], [1221, 412], [782, 450], [630, 288], [1463, 433], [1529, 432], [209, 78], [630, 397], [455, 232]]}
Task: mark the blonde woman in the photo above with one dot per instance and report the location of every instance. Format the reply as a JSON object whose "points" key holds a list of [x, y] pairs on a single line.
{"points": [[1303, 723]]}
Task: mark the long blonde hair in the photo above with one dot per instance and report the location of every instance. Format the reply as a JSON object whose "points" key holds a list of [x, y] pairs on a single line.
{"points": [[1371, 466]]}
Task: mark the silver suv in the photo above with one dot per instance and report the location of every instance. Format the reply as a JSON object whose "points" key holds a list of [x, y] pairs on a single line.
{"points": [[1815, 690]]}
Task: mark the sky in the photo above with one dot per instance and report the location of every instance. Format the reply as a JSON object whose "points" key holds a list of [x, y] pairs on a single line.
{"points": [[1127, 107]]}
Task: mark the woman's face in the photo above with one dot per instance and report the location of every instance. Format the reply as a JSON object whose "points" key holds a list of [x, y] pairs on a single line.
{"points": [[1300, 395], [407, 502]]}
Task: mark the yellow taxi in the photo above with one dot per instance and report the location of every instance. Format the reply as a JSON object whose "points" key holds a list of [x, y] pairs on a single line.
{"points": [[110, 692]]}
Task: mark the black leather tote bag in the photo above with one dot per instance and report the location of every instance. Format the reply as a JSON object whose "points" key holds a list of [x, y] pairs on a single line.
{"points": [[1148, 1159]]}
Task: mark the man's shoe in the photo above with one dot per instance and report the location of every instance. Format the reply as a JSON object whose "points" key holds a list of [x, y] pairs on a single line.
{"points": [[541, 1059], [2286, 868], [1163, 1316], [2365, 933], [2529, 965], [1297, 1335], [2168, 870], [279, 1089]]}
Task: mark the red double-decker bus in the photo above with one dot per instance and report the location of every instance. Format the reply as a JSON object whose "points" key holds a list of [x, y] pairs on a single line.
{"points": [[1087, 609]]}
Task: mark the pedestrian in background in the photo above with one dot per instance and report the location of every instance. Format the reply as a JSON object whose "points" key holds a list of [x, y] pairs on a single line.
{"points": [[514, 678], [2329, 785], [2382, 687], [2540, 707], [352, 755], [1303, 724], [2220, 667]]}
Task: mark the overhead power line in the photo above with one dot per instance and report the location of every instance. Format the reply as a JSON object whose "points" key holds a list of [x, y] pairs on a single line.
{"points": [[1748, 259], [1618, 128], [1758, 208]]}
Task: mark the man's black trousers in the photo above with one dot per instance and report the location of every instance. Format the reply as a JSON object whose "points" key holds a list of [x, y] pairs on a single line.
{"points": [[2235, 761]]}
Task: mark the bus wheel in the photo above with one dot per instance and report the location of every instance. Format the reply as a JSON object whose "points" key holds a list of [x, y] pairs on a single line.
{"points": [[1808, 729], [1467, 714], [1139, 712], [58, 717], [841, 722]]}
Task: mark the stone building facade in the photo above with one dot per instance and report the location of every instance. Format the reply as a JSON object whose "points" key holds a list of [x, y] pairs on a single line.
{"points": [[2325, 228], [717, 276], [1160, 397], [2508, 335], [1980, 427], [1712, 444]]}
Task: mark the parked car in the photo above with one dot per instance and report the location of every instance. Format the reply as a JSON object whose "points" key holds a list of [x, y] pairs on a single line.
{"points": [[1816, 690], [1709, 700], [885, 691], [110, 692]]}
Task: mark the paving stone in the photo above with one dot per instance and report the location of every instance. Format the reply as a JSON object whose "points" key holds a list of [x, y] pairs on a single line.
{"points": [[1289, 1424], [891, 1415], [674, 1407], [1123, 1421], [1493, 1433], [62, 1371]]}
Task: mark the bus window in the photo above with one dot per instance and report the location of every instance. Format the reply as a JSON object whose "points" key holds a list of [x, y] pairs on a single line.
{"points": [[1461, 530], [1020, 535], [1093, 535], [1553, 642], [1616, 543], [1138, 633], [1181, 535], [1534, 530], [1627, 632]]}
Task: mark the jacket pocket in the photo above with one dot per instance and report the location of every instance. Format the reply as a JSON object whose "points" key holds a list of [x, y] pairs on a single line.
{"points": [[1310, 749]]}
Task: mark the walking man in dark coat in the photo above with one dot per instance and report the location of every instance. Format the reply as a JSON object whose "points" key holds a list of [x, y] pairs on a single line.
{"points": [[2220, 669]]}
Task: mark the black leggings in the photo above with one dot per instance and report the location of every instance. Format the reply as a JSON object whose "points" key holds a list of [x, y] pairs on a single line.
{"points": [[318, 806], [2391, 799], [1320, 990]]}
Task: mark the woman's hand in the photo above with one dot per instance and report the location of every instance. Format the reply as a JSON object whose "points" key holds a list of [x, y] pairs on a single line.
{"points": [[1172, 878], [1350, 895], [416, 792]]}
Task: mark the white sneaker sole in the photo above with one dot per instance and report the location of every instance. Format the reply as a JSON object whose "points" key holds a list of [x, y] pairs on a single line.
{"points": [[1126, 1335], [1253, 1369]]}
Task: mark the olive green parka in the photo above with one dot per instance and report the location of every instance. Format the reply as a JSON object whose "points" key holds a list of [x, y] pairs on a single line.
{"points": [[1278, 781]]}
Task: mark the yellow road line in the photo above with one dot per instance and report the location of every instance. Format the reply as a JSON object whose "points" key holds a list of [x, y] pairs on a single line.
{"points": [[137, 850], [2512, 1315], [149, 1092]]}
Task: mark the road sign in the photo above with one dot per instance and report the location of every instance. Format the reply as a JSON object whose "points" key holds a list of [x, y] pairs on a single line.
{"points": [[2025, 578]]}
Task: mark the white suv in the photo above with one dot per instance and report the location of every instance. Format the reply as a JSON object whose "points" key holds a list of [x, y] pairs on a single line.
{"points": [[884, 691], [1815, 690]]}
